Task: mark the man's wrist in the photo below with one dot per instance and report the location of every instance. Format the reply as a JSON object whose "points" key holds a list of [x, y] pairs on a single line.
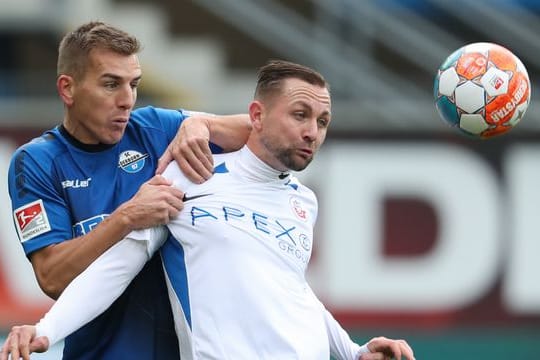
{"points": [[206, 119], [120, 217], [362, 350]]}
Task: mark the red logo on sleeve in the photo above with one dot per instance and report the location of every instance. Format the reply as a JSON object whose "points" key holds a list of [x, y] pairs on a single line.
{"points": [[31, 220]]}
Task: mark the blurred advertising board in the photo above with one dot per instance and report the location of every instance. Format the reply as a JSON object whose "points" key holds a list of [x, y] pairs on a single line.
{"points": [[433, 238], [440, 230]]}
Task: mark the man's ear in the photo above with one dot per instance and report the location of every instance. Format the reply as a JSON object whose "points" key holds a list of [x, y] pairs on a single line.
{"points": [[65, 87], [256, 114]]}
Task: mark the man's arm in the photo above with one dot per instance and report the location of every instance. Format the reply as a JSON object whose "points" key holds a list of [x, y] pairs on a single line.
{"points": [[88, 295], [190, 147], [154, 204], [379, 348], [57, 265], [230, 132], [341, 345]]}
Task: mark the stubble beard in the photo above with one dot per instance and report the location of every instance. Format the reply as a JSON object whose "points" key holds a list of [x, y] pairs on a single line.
{"points": [[287, 157]]}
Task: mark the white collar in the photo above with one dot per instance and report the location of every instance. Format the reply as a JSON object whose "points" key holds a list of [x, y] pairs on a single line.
{"points": [[252, 168]]}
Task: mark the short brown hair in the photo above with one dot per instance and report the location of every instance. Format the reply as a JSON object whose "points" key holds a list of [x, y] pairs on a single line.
{"points": [[272, 74], [75, 46]]}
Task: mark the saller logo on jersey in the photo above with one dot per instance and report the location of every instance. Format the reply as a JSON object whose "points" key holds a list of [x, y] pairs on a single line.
{"points": [[31, 220], [132, 161]]}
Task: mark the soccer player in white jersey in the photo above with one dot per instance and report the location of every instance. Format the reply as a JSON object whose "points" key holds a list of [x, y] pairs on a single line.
{"points": [[236, 272]]}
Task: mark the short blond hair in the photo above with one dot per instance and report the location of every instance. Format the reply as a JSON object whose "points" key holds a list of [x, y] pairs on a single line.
{"points": [[75, 47]]}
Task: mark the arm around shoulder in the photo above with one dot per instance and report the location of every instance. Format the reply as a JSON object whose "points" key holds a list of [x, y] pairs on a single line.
{"points": [[190, 147], [230, 132]]}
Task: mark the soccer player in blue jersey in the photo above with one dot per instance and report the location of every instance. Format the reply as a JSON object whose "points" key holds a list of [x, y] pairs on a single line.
{"points": [[81, 187], [236, 268]]}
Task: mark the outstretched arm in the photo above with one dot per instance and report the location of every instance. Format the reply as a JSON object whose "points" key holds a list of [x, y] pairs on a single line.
{"points": [[379, 348], [55, 266], [341, 345], [108, 276]]}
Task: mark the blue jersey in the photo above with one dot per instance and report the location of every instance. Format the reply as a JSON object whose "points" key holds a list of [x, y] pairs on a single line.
{"points": [[62, 189]]}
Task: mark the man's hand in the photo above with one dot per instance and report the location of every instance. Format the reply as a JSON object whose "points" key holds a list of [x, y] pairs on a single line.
{"points": [[191, 150], [375, 356], [190, 147], [382, 348], [22, 341], [156, 203]]}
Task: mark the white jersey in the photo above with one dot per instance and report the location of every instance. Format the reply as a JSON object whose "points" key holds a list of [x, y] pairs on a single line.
{"points": [[247, 240], [236, 274]]}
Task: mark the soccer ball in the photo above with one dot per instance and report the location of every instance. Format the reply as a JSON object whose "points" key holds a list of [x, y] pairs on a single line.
{"points": [[483, 89]]}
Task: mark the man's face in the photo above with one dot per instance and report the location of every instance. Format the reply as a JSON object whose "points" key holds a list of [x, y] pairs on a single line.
{"points": [[104, 97], [294, 124]]}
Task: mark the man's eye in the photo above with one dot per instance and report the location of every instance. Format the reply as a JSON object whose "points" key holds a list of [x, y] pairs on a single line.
{"points": [[111, 85], [322, 122]]}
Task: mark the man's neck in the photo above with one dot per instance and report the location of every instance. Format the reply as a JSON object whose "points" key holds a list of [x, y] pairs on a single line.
{"points": [[79, 144]]}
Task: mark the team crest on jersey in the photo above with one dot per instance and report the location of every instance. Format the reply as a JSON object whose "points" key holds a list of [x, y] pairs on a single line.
{"points": [[298, 208], [132, 161], [31, 220]]}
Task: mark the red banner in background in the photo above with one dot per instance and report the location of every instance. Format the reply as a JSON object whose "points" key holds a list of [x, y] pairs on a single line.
{"points": [[413, 231], [21, 300], [427, 232]]}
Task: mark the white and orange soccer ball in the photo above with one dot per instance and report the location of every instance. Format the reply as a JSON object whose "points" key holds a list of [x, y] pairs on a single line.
{"points": [[482, 89]]}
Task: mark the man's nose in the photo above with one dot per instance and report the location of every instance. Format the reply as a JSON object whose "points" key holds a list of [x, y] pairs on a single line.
{"points": [[310, 130], [126, 97]]}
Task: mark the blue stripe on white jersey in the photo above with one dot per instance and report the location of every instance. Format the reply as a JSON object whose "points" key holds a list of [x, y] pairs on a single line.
{"points": [[172, 254]]}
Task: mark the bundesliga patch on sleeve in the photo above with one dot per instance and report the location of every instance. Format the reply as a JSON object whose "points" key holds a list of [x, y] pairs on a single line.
{"points": [[31, 220]]}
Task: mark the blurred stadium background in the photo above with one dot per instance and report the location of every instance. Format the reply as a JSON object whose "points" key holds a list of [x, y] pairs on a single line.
{"points": [[423, 234]]}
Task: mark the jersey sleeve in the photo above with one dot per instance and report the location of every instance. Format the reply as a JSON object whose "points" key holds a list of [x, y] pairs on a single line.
{"points": [[341, 345], [96, 288], [168, 120], [152, 238], [40, 213]]}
